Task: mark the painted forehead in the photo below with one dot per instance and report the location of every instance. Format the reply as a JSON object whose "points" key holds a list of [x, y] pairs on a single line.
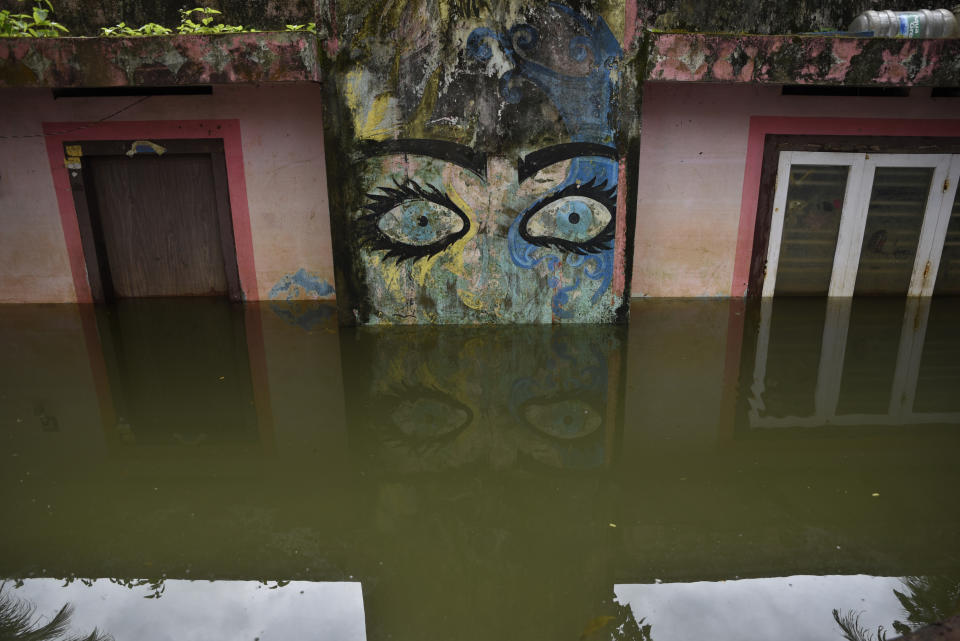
{"points": [[476, 161], [552, 81]]}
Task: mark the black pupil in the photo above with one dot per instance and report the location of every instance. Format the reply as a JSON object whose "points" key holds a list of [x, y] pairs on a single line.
{"points": [[574, 218], [422, 221]]}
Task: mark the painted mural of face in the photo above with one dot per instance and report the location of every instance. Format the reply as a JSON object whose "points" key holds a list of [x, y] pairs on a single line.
{"points": [[451, 234]]}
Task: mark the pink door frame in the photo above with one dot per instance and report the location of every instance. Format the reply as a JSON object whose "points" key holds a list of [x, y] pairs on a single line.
{"points": [[57, 133], [760, 126]]}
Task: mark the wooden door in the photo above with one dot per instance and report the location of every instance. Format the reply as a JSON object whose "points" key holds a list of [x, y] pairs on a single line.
{"points": [[156, 224]]}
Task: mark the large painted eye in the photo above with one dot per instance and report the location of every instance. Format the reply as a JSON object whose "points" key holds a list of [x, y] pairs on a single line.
{"points": [[579, 219], [411, 221], [566, 420], [576, 219], [419, 223]]}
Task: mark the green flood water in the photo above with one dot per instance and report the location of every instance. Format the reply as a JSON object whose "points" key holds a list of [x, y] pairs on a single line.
{"points": [[193, 469]]}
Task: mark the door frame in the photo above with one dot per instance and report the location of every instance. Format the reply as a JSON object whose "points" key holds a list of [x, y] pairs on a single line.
{"points": [[91, 232], [853, 217], [56, 134], [769, 134]]}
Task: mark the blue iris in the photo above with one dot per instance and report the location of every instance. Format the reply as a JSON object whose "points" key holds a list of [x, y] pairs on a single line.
{"points": [[418, 222], [574, 218]]}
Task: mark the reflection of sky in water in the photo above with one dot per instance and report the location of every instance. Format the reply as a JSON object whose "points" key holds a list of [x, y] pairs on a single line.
{"points": [[204, 610], [794, 607]]}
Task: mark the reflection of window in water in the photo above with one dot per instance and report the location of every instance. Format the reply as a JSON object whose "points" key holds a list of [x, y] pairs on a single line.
{"points": [[856, 362]]}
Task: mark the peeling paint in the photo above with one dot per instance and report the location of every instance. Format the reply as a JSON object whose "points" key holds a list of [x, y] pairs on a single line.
{"points": [[302, 285], [691, 57], [158, 61]]}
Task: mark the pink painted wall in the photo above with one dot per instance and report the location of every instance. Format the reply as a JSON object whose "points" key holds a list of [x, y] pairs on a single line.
{"points": [[283, 165], [692, 161]]}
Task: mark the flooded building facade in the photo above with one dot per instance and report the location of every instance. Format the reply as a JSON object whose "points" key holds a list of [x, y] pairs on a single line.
{"points": [[721, 467], [261, 188], [480, 164]]}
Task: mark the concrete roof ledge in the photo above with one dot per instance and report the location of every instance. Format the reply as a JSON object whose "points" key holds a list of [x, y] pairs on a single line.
{"points": [[802, 59], [159, 61]]}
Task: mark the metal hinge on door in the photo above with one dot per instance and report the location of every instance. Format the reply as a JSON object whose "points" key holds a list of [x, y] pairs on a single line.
{"points": [[946, 185]]}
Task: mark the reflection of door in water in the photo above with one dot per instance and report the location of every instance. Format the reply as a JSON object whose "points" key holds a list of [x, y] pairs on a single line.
{"points": [[179, 371], [159, 225]]}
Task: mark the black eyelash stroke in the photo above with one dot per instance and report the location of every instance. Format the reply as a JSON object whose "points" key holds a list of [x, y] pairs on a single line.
{"points": [[368, 225], [603, 194]]}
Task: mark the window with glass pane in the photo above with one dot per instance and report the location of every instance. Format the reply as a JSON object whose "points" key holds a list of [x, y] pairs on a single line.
{"points": [[894, 219], [948, 278], [811, 223]]}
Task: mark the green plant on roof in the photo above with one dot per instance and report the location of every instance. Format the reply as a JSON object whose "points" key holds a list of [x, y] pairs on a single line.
{"points": [[201, 20], [31, 25], [310, 27], [123, 31]]}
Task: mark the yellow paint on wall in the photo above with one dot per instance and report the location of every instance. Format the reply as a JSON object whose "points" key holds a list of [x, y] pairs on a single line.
{"points": [[393, 277], [470, 299], [373, 127], [368, 119], [453, 256]]}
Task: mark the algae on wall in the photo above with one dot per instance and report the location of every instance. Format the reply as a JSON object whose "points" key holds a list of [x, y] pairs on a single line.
{"points": [[766, 16], [473, 155], [86, 17]]}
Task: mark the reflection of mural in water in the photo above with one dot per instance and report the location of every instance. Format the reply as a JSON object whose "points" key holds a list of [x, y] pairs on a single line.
{"points": [[430, 399], [474, 164], [488, 454]]}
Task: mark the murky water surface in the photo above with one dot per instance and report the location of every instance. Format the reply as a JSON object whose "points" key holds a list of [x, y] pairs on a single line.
{"points": [[722, 470]]}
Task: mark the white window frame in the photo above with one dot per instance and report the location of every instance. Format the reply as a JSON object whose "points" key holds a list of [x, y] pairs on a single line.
{"points": [[853, 216]]}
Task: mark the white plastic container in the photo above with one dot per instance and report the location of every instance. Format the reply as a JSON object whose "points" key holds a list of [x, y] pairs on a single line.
{"points": [[923, 23]]}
